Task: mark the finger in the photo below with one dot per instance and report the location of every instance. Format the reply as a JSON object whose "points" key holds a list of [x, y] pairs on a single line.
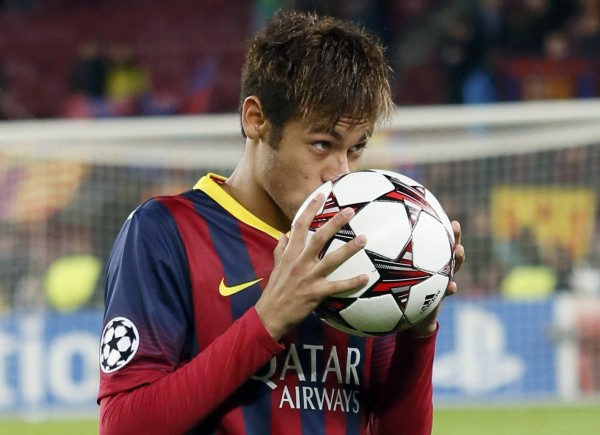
{"points": [[280, 248], [302, 223], [334, 259], [457, 231], [451, 289], [328, 230], [459, 257], [345, 285]]}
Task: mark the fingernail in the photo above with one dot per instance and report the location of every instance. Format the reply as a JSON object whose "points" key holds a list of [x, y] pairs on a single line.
{"points": [[347, 212], [361, 240]]}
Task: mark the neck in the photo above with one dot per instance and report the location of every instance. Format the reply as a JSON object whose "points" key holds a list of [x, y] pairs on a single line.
{"points": [[250, 194]]}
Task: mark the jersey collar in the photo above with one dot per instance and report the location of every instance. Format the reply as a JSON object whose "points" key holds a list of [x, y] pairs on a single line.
{"points": [[211, 185]]}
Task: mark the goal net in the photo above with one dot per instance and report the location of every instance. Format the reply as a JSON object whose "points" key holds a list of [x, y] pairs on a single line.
{"points": [[522, 178]]}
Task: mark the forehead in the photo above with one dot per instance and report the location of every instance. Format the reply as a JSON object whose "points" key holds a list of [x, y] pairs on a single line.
{"points": [[342, 127]]}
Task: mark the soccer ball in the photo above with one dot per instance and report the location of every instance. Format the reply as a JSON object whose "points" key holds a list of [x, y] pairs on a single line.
{"points": [[408, 256], [118, 345]]}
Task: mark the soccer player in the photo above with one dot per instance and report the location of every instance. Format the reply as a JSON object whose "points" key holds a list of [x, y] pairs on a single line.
{"points": [[209, 294]]}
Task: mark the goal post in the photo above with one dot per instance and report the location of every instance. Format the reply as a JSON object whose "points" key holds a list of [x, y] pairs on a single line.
{"points": [[413, 134]]}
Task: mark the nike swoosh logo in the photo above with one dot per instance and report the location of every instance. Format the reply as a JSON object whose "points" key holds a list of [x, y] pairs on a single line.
{"points": [[225, 290]]}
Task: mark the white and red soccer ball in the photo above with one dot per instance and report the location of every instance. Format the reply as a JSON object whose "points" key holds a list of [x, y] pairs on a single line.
{"points": [[408, 256]]}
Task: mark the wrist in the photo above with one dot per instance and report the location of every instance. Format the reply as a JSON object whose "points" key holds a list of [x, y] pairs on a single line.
{"points": [[275, 331], [424, 329]]}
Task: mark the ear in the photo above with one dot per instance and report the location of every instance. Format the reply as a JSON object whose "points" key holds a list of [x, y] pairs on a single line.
{"points": [[253, 117]]}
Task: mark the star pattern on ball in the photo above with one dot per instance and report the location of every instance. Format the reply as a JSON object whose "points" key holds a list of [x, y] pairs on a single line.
{"points": [[408, 258]]}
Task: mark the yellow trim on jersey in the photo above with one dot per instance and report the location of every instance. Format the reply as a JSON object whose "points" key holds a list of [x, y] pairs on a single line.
{"points": [[208, 185]]}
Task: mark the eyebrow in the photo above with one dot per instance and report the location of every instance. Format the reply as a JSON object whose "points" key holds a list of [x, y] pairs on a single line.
{"points": [[364, 138]]}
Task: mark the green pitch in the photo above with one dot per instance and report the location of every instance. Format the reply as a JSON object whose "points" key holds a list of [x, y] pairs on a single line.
{"points": [[70, 427], [559, 420]]}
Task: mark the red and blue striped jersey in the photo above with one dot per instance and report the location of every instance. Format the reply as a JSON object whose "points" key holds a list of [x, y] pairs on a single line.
{"points": [[183, 350]]}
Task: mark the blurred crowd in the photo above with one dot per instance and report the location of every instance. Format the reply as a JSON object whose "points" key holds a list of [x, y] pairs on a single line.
{"points": [[542, 49], [442, 51]]}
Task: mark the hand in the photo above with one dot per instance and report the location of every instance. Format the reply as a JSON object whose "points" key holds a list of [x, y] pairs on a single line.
{"points": [[298, 282], [429, 325]]}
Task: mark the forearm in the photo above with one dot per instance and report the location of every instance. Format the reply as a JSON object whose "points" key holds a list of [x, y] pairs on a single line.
{"points": [[178, 401], [404, 402]]}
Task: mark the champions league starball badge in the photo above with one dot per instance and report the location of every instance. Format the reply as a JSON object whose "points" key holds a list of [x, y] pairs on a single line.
{"points": [[119, 343]]}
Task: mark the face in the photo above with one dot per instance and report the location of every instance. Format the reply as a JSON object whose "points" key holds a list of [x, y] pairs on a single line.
{"points": [[305, 158]]}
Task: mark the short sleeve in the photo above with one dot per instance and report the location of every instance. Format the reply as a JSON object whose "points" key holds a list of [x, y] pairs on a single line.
{"points": [[148, 298]]}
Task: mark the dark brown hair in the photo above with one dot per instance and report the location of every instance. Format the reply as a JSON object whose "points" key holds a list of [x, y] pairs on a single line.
{"points": [[317, 68]]}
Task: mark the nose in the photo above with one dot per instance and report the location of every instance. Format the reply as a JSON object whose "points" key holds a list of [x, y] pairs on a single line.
{"points": [[337, 166]]}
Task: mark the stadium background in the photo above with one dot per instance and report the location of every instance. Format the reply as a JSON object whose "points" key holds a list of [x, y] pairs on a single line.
{"points": [[106, 103]]}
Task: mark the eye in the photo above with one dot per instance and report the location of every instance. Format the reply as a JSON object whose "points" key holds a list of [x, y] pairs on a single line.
{"points": [[357, 149], [321, 146]]}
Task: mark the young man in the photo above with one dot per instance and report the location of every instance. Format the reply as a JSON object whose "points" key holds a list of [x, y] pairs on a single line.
{"points": [[215, 301]]}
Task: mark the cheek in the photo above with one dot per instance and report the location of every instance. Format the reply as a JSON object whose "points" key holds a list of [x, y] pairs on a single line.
{"points": [[291, 190], [281, 184], [290, 178]]}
